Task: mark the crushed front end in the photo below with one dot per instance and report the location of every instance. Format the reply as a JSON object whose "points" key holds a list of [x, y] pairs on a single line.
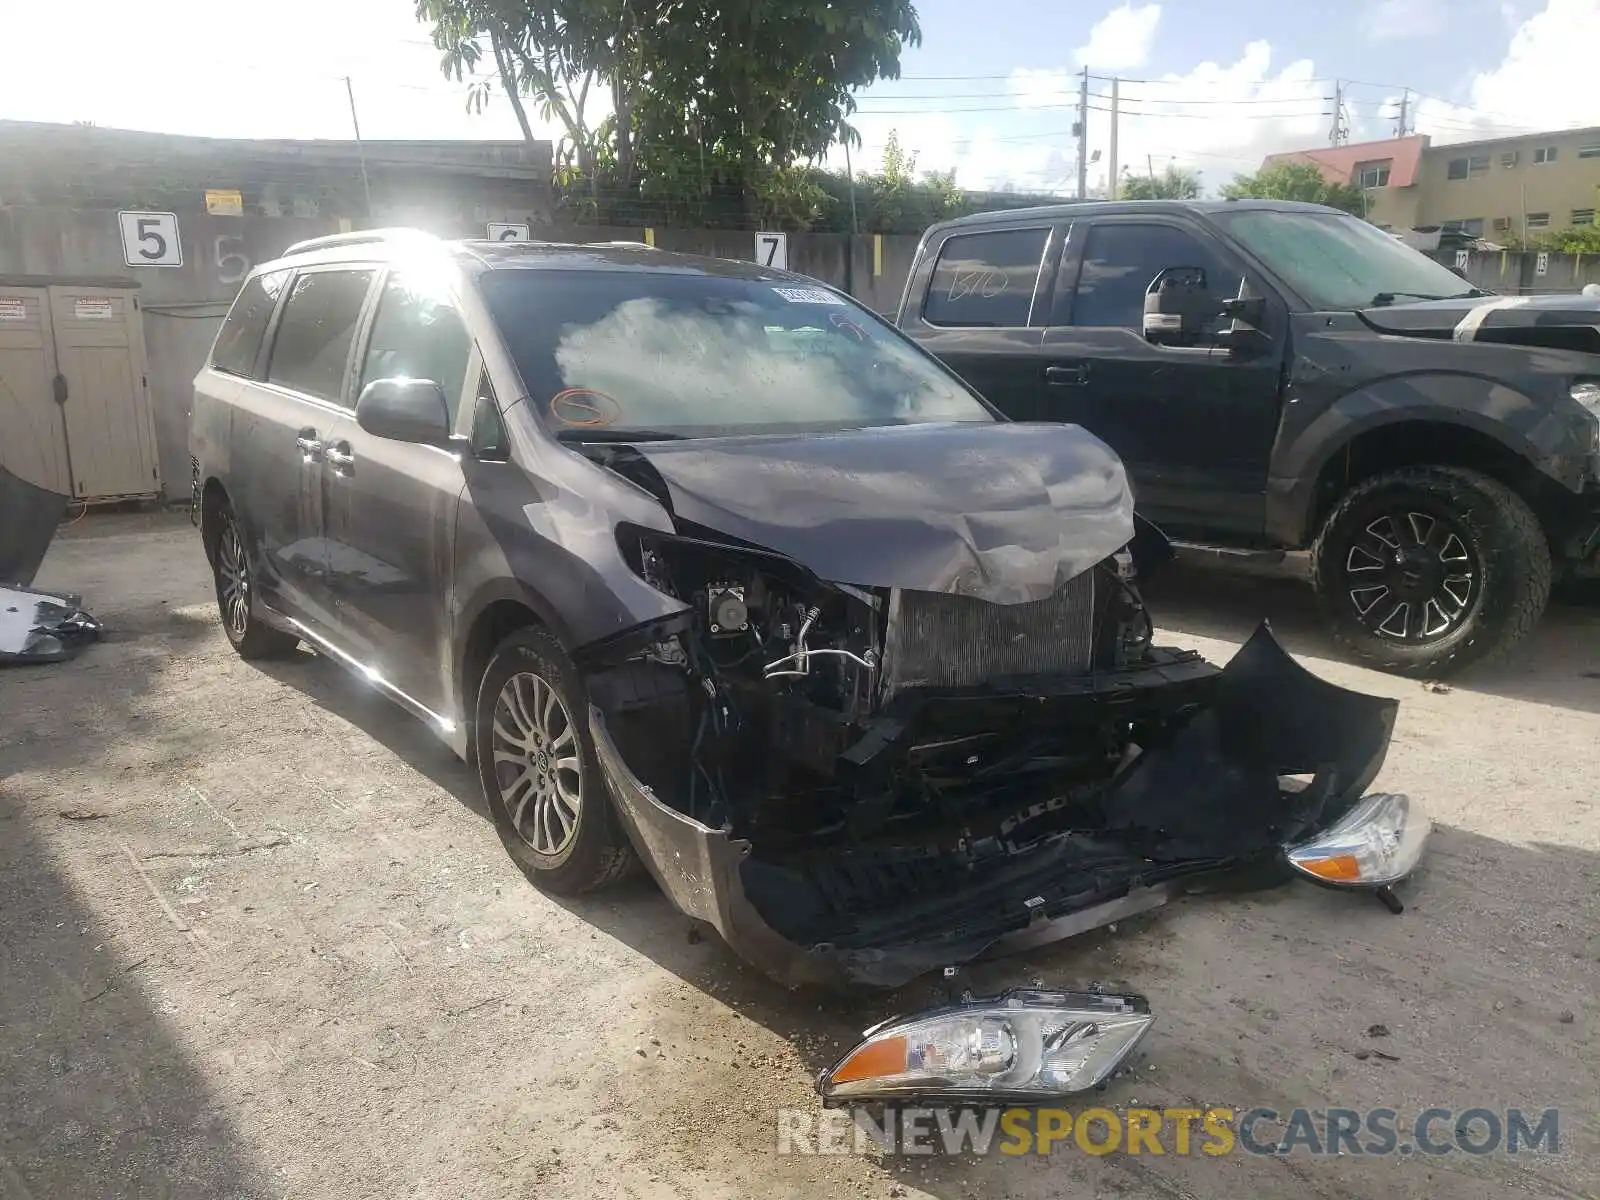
{"points": [[856, 785]]}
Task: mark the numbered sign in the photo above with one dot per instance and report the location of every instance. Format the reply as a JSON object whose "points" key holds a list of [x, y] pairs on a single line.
{"points": [[772, 250], [1541, 263], [150, 239], [500, 231], [1462, 258]]}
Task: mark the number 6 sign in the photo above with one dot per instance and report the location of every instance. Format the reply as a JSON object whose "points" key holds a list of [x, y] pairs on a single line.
{"points": [[772, 250], [150, 239]]}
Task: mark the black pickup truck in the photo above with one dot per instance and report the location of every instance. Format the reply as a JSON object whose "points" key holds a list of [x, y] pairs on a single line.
{"points": [[1280, 376]]}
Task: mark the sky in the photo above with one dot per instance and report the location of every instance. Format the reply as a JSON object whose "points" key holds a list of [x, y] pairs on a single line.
{"points": [[990, 92]]}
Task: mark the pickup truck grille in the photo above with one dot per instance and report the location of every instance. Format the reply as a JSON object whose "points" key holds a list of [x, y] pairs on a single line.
{"points": [[938, 640]]}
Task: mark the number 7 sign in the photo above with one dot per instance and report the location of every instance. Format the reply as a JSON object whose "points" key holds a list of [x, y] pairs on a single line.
{"points": [[772, 250]]}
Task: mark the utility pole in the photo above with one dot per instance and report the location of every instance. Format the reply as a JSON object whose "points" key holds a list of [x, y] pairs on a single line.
{"points": [[1403, 126], [1083, 136], [1115, 178], [1339, 134], [361, 154]]}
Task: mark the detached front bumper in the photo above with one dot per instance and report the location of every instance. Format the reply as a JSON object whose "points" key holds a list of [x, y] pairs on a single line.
{"points": [[1212, 799]]}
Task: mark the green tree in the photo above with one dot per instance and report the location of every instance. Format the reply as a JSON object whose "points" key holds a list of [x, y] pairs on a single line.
{"points": [[1296, 181], [1175, 183], [556, 53], [709, 98]]}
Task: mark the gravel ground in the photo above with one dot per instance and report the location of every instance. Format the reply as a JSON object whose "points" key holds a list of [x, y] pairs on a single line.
{"points": [[258, 938]]}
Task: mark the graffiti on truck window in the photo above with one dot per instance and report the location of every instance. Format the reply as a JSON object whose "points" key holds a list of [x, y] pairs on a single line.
{"points": [[987, 282]]}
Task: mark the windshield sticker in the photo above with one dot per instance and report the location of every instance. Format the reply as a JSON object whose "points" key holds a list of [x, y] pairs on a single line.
{"points": [[584, 408], [802, 295]]}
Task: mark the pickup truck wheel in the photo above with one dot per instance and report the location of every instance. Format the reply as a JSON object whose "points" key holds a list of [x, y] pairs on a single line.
{"points": [[1426, 569], [250, 637], [538, 770]]}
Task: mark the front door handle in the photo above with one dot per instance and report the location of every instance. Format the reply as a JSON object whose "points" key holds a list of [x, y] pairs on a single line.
{"points": [[340, 457], [1070, 375], [310, 445]]}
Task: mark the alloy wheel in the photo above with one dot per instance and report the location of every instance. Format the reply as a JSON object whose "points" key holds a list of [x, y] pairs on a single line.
{"points": [[233, 579], [1411, 576], [538, 764]]}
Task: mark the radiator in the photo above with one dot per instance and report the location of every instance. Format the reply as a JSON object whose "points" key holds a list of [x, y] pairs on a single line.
{"points": [[938, 640]]}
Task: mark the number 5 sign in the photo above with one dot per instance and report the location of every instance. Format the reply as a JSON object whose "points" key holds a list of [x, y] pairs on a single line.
{"points": [[150, 239], [772, 250]]}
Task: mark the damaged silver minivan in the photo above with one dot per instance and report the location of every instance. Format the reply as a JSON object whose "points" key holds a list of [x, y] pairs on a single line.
{"points": [[705, 566]]}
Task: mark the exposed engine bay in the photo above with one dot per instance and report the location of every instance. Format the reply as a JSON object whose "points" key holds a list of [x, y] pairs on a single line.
{"points": [[861, 782]]}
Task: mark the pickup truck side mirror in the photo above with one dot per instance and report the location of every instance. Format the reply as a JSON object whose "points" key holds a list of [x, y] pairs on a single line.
{"points": [[1178, 310], [405, 410]]}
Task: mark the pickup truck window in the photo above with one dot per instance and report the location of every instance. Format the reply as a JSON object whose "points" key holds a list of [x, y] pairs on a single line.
{"points": [[1119, 261], [986, 279], [700, 355], [1341, 262]]}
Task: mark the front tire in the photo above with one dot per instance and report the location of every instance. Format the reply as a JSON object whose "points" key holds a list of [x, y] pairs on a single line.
{"points": [[234, 576], [538, 770], [1425, 570]]}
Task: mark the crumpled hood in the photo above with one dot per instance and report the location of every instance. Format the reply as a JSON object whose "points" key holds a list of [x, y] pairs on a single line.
{"points": [[1003, 511], [1565, 321]]}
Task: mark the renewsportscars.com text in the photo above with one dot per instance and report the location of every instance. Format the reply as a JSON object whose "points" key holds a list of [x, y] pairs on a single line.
{"points": [[1210, 1132]]}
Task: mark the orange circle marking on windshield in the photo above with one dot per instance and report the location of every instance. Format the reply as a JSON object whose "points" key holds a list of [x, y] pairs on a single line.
{"points": [[840, 321], [584, 408]]}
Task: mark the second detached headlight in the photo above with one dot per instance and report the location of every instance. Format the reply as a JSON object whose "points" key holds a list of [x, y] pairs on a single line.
{"points": [[1024, 1045], [1376, 843]]}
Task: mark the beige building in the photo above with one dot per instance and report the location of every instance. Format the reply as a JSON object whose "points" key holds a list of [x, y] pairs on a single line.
{"points": [[1503, 189]]}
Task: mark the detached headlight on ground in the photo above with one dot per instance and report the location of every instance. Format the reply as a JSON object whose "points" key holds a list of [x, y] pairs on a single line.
{"points": [[1023, 1045], [1375, 844]]}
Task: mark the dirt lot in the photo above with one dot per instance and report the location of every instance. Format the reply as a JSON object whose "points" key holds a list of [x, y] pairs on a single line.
{"points": [[258, 938]]}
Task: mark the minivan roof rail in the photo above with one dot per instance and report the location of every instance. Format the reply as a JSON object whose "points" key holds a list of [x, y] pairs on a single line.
{"points": [[357, 237]]}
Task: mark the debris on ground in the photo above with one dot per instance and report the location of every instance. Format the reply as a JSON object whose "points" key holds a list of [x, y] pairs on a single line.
{"points": [[42, 627], [1436, 687], [1377, 1031]]}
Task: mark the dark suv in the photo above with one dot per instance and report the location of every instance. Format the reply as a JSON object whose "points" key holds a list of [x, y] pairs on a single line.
{"points": [[1282, 376], [706, 562]]}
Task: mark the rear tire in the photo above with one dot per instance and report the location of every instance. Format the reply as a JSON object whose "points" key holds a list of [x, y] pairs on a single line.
{"points": [[231, 569], [1424, 570], [538, 770]]}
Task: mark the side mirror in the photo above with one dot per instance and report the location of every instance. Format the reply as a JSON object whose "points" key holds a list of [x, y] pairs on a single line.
{"points": [[405, 410], [1178, 310]]}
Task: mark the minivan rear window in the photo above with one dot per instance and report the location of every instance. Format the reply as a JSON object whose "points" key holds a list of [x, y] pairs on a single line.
{"points": [[238, 343], [314, 334]]}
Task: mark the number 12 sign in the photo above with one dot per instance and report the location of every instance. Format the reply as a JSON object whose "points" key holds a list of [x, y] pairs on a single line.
{"points": [[150, 239], [772, 250]]}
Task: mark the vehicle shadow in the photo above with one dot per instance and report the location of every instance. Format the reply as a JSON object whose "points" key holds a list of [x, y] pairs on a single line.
{"points": [[98, 1097], [1559, 663]]}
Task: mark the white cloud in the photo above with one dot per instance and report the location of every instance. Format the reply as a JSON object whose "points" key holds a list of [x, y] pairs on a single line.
{"points": [[1542, 83], [1121, 39], [1394, 20]]}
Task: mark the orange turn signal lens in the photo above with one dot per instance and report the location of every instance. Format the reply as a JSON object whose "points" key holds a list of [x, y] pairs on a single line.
{"points": [[873, 1061], [1340, 868]]}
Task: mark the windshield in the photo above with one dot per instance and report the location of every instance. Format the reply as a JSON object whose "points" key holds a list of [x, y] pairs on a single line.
{"points": [[686, 355], [1339, 261]]}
